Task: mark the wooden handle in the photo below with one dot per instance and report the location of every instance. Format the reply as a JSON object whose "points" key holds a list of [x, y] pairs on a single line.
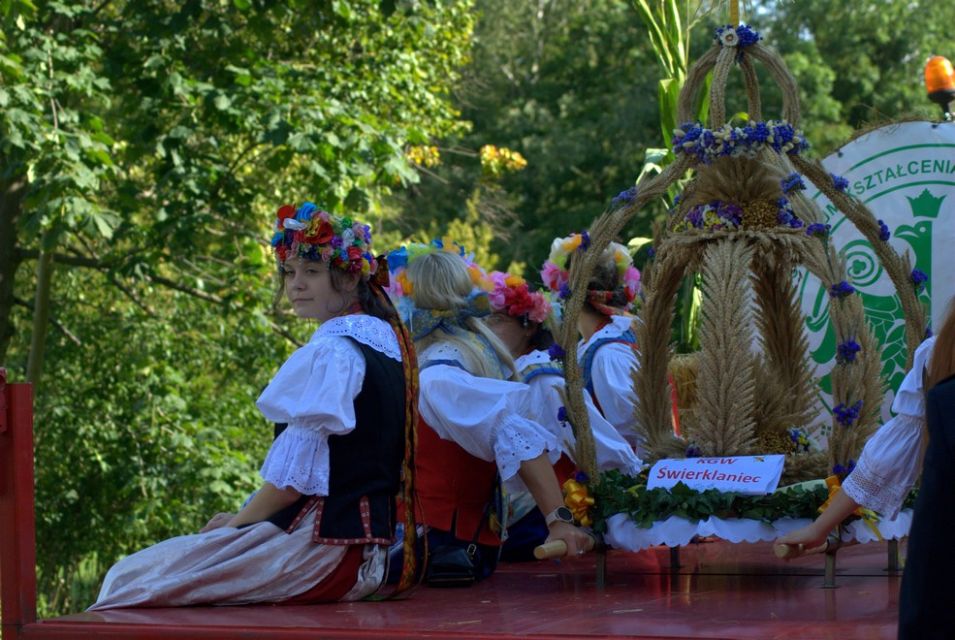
{"points": [[555, 549], [558, 548]]}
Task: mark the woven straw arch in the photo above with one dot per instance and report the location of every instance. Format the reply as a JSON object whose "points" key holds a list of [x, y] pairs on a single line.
{"points": [[747, 281]]}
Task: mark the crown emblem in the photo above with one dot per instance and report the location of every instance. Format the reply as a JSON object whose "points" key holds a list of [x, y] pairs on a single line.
{"points": [[925, 205]]}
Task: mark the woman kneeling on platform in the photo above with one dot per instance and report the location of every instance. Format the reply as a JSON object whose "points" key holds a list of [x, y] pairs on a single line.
{"points": [[475, 424], [519, 319], [318, 529]]}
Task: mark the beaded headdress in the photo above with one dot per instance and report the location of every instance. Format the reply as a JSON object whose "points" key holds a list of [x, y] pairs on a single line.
{"points": [[313, 234]]}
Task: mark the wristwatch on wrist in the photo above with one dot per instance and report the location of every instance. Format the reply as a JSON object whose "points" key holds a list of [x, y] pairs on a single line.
{"points": [[560, 514]]}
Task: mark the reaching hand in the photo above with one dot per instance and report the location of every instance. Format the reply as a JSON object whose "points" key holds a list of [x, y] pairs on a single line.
{"points": [[809, 537], [578, 541], [218, 521]]}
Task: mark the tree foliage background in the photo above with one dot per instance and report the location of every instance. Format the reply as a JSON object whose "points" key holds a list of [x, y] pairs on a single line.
{"points": [[145, 145]]}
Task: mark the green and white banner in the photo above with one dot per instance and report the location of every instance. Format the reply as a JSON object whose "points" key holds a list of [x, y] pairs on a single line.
{"points": [[905, 174]]}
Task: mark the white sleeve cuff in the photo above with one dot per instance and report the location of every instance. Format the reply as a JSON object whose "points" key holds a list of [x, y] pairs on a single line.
{"points": [[299, 459], [888, 467], [517, 440]]}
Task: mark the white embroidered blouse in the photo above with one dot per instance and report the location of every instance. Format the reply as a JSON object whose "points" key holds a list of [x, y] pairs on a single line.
{"points": [[486, 417], [611, 373], [889, 464], [314, 393], [613, 452]]}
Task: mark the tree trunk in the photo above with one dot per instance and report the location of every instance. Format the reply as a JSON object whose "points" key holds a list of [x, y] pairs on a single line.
{"points": [[11, 196], [41, 315]]}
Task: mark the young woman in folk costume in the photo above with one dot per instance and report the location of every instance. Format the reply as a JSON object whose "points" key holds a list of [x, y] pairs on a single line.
{"points": [[319, 527], [475, 424], [518, 318], [607, 350], [892, 457]]}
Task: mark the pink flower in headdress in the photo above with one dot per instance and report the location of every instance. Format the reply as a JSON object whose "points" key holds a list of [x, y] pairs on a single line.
{"points": [[631, 280], [553, 276], [497, 295]]}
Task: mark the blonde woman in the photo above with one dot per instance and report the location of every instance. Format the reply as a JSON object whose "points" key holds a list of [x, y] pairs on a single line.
{"points": [[475, 422]]}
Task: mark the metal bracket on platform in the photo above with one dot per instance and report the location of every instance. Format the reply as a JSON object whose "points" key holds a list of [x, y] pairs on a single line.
{"points": [[829, 581], [674, 558], [833, 544], [601, 565], [895, 560]]}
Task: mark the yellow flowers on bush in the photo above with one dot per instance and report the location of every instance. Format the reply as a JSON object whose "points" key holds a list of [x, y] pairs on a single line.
{"points": [[496, 161]]}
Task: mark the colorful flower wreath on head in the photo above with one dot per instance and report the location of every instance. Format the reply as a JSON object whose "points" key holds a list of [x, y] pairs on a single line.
{"points": [[400, 258], [401, 286], [555, 273], [313, 234], [512, 295]]}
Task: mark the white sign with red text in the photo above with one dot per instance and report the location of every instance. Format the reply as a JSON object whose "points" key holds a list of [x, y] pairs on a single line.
{"points": [[750, 475]]}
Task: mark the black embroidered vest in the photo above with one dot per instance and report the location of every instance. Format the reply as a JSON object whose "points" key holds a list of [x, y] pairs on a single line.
{"points": [[365, 464]]}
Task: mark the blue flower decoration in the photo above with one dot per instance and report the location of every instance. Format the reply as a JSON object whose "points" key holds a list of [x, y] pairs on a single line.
{"points": [[581, 477], [584, 241], [397, 259], [818, 230], [562, 414], [847, 415], [840, 183], [693, 451], [847, 351], [792, 183], [841, 290], [839, 470], [556, 352], [304, 212], [919, 279], [651, 253], [884, 232], [624, 196], [564, 291]]}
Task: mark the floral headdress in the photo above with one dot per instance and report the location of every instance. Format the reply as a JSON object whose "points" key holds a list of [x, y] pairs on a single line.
{"points": [[512, 295], [555, 273], [311, 233], [400, 288]]}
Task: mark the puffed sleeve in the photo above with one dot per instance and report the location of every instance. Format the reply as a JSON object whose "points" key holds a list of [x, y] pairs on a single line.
{"points": [[889, 463], [613, 452], [314, 393], [612, 376], [485, 417]]}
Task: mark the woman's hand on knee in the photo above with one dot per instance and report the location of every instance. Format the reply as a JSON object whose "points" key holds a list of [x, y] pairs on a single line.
{"points": [[218, 521]]}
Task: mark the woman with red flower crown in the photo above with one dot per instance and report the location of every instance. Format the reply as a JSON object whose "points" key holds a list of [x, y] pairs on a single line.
{"points": [[518, 317], [344, 405]]}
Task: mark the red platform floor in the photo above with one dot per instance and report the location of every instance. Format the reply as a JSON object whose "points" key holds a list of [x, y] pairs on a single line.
{"points": [[722, 591]]}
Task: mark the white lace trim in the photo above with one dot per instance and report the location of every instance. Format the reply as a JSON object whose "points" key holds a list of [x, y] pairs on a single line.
{"points": [[368, 330], [517, 440], [299, 458], [618, 326], [873, 491]]}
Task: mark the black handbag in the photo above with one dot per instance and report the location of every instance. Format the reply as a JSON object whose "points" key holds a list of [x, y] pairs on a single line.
{"points": [[456, 564], [451, 565]]}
